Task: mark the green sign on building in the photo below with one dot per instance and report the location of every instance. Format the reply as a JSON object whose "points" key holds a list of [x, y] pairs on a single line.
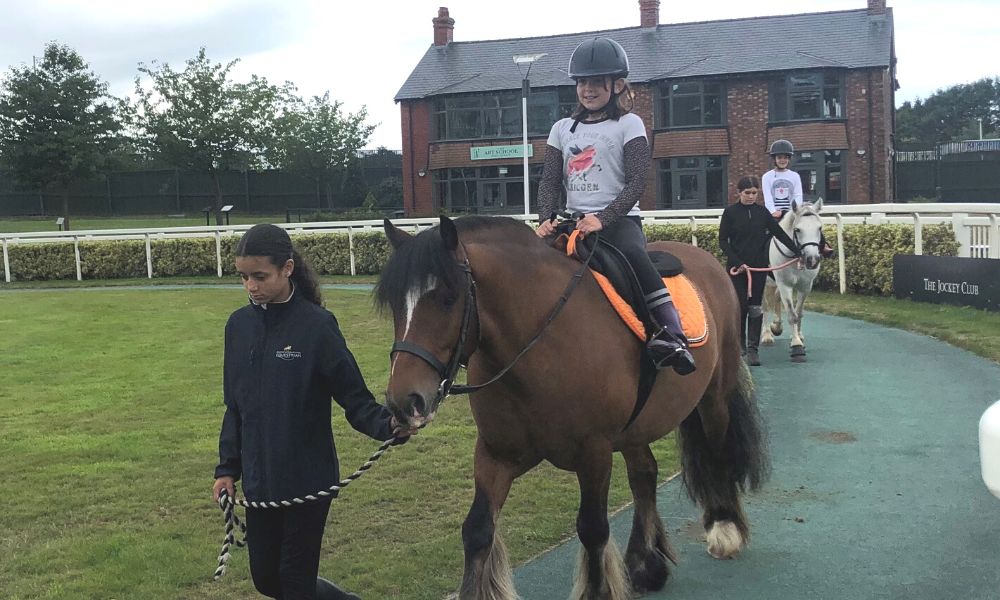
{"points": [[493, 152]]}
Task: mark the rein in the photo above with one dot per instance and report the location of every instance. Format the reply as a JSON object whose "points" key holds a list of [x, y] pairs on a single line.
{"points": [[447, 386], [228, 505]]}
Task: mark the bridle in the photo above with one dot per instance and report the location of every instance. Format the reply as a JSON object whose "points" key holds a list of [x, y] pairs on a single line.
{"points": [[795, 238], [448, 372], [459, 359]]}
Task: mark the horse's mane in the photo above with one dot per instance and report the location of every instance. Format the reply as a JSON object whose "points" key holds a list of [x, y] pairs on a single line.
{"points": [[424, 256]]}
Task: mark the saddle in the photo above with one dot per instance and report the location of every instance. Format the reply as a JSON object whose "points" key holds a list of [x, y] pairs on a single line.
{"points": [[621, 286]]}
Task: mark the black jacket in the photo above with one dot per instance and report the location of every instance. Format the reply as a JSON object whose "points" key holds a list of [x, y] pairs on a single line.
{"points": [[744, 233], [282, 365]]}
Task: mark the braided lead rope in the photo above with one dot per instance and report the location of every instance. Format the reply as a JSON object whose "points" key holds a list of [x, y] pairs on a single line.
{"points": [[233, 522]]}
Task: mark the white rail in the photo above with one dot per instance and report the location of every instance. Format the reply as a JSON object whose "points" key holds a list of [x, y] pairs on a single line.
{"points": [[975, 226]]}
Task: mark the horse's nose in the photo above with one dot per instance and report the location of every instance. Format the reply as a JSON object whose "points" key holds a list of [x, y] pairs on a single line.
{"points": [[417, 403], [412, 407]]}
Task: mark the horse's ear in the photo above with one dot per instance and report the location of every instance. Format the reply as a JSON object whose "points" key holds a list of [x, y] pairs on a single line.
{"points": [[795, 206], [449, 233], [396, 235], [818, 205]]}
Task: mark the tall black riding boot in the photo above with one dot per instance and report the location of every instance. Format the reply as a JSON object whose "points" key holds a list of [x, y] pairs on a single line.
{"points": [[327, 590], [753, 339], [669, 347]]}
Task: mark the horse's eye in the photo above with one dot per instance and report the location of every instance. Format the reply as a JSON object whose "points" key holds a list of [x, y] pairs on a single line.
{"points": [[449, 300]]}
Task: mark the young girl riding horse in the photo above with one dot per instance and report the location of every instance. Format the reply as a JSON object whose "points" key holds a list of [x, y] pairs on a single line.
{"points": [[602, 157]]}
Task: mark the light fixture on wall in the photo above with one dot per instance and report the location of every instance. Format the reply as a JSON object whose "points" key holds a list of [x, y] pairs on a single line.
{"points": [[861, 152], [421, 173]]}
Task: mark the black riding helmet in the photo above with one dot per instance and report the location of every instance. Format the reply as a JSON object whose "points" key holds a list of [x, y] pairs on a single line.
{"points": [[598, 57], [782, 147]]}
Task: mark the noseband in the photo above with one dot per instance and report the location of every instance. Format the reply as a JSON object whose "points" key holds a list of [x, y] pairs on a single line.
{"points": [[448, 372]]}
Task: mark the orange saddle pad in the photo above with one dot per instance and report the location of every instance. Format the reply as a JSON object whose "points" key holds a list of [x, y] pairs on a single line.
{"points": [[686, 298]]}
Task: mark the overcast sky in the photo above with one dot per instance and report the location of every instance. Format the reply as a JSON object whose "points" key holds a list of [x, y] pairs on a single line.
{"points": [[363, 51]]}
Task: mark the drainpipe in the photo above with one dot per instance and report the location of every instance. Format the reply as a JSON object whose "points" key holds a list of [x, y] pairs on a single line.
{"points": [[871, 143]]}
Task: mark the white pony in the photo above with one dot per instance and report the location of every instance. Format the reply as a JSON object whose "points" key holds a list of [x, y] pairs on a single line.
{"points": [[793, 283]]}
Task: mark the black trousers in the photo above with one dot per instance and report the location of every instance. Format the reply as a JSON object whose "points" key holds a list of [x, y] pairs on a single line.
{"points": [[284, 546], [757, 283], [626, 234]]}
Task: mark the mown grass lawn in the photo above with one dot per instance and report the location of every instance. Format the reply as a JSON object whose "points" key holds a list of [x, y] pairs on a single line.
{"points": [[110, 405]]}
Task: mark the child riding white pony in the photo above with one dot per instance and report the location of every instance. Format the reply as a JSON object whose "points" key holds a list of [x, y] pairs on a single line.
{"points": [[793, 283]]}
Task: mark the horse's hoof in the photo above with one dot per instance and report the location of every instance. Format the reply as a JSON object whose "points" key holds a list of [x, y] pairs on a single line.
{"points": [[767, 342], [724, 540], [776, 329], [799, 359]]}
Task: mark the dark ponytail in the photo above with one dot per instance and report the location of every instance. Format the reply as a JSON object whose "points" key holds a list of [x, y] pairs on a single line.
{"points": [[273, 242]]}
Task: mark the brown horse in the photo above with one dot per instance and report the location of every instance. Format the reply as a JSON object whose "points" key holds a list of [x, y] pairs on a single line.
{"points": [[480, 291]]}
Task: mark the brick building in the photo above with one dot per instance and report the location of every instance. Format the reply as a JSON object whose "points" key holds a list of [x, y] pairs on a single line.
{"points": [[713, 96]]}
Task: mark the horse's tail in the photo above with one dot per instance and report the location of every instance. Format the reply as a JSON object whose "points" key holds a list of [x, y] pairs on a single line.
{"points": [[714, 474]]}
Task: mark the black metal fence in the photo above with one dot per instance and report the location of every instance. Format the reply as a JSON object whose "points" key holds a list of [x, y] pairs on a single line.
{"points": [[954, 172], [173, 191]]}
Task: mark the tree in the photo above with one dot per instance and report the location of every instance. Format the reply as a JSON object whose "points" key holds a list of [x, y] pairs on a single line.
{"points": [[58, 125], [318, 141], [389, 193], [201, 120], [949, 115]]}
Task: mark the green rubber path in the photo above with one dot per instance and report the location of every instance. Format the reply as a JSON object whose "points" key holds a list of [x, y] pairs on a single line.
{"points": [[876, 490]]}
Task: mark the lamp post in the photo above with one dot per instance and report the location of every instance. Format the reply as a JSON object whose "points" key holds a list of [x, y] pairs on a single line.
{"points": [[526, 59]]}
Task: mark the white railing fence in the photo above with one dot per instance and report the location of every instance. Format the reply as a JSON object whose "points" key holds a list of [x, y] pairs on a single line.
{"points": [[975, 227]]}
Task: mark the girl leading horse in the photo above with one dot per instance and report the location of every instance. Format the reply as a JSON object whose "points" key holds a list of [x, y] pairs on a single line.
{"points": [[482, 292]]}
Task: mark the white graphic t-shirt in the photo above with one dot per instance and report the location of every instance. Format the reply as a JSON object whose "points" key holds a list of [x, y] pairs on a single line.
{"points": [[593, 157], [780, 189]]}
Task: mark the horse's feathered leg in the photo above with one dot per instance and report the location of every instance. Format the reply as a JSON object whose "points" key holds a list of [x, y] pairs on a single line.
{"points": [[648, 548], [601, 571], [487, 570], [724, 452]]}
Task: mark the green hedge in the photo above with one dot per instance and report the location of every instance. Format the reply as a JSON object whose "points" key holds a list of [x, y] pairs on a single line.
{"points": [[869, 252]]}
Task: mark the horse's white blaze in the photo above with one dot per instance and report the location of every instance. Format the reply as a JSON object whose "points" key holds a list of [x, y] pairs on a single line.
{"points": [[413, 296], [724, 539]]}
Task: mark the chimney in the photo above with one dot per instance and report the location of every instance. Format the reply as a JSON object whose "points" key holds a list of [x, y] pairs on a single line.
{"points": [[444, 27], [876, 7], [649, 13]]}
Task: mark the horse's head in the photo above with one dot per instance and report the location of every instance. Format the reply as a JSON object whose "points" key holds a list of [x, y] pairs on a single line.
{"points": [[428, 287], [807, 231]]}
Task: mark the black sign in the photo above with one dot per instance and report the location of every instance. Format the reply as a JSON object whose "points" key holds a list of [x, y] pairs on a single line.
{"points": [[948, 280]]}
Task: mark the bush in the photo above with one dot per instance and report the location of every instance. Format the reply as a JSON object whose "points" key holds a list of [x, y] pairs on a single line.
{"points": [[868, 253], [38, 262]]}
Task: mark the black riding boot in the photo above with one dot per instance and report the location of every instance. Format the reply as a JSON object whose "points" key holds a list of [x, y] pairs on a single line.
{"points": [[327, 590], [669, 347], [753, 339]]}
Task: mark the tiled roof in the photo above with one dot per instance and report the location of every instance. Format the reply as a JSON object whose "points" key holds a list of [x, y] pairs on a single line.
{"points": [[846, 39]]}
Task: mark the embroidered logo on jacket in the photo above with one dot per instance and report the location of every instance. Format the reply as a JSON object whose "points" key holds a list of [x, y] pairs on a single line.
{"points": [[287, 354]]}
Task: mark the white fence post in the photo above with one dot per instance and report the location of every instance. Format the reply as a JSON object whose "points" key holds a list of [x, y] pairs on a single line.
{"points": [[218, 253], [994, 236], [149, 259], [350, 247], [76, 250], [918, 235], [694, 235], [841, 265], [6, 262], [962, 233]]}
